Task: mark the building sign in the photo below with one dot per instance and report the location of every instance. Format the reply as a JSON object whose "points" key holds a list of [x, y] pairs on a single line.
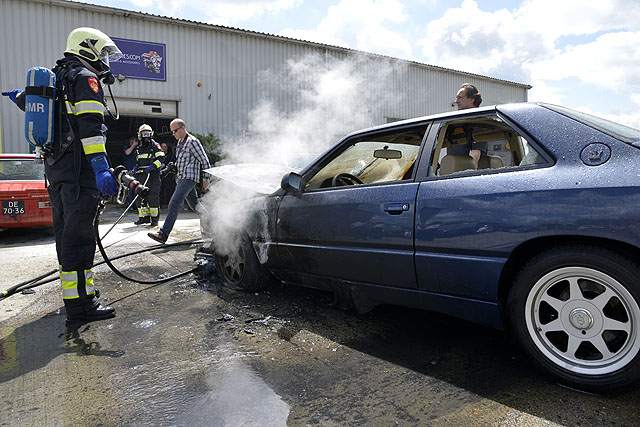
{"points": [[141, 60]]}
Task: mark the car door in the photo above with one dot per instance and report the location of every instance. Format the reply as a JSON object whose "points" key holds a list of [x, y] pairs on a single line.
{"points": [[467, 211], [359, 233]]}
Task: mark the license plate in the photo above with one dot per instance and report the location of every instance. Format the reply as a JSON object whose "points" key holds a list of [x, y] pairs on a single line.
{"points": [[13, 207]]}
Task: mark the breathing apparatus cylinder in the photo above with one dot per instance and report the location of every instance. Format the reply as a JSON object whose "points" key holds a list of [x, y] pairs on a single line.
{"points": [[40, 92]]}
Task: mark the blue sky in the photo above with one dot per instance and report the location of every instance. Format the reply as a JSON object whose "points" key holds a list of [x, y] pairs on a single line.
{"points": [[583, 54]]}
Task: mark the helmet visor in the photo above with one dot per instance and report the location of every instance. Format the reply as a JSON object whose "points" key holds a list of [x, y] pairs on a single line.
{"points": [[109, 53], [146, 134]]}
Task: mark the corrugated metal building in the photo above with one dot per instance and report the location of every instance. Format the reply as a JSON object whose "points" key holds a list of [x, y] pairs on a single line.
{"points": [[215, 76]]}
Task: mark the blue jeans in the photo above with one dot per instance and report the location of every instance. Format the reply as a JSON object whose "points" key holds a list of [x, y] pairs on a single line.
{"points": [[184, 188], [189, 200]]}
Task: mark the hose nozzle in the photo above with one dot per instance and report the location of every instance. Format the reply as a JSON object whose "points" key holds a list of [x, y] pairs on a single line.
{"points": [[124, 179]]}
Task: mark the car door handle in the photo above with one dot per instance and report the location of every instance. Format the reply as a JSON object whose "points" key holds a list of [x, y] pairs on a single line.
{"points": [[396, 208]]}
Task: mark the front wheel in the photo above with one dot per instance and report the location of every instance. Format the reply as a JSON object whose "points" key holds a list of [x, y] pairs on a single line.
{"points": [[240, 268], [576, 312]]}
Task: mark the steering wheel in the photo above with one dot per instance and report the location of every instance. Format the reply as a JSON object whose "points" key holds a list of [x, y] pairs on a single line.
{"points": [[344, 179]]}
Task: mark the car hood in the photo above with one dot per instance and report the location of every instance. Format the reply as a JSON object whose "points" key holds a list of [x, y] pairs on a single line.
{"points": [[262, 178]]}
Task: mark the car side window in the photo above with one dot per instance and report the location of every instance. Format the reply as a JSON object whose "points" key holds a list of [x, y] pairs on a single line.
{"points": [[484, 143], [371, 159]]}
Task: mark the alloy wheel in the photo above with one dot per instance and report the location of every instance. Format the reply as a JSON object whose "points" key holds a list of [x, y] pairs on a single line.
{"points": [[583, 320]]}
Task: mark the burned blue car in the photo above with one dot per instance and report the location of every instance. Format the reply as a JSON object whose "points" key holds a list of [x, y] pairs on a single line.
{"points": [[524, 217]]}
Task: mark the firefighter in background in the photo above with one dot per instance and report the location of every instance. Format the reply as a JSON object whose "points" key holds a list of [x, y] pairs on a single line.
{"points": [[150, 157], [77, 167]]}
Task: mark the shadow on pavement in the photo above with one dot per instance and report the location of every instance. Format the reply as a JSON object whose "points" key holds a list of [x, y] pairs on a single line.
{"points": [[464, 357], [34, 236], [34, 345]]}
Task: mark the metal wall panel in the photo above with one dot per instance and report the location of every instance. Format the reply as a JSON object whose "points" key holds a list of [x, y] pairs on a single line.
{"points": [[229, 65]]}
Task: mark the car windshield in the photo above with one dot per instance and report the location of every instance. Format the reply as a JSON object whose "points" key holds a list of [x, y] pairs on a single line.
{"points": [[21, 170], [616, 130], [377, 158]]}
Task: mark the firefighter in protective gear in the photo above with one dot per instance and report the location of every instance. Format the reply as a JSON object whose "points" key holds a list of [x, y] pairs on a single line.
{"points": [[77, 167], [150, 158]]}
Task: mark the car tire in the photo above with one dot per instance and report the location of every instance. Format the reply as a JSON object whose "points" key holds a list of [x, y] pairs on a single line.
{"points": [[575, 310], [241, 270]]}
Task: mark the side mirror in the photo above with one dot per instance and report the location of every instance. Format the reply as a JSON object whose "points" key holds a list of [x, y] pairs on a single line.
{"points": [[385, 153], [291, 182]]}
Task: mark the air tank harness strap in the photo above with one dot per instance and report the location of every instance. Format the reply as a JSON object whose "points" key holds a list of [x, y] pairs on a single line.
{"points": [[65, 93], [44, 91]]}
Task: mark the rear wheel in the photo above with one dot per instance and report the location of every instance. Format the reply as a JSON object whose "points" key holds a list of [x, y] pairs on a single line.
{"points": [[576, 311], [240, 268]]}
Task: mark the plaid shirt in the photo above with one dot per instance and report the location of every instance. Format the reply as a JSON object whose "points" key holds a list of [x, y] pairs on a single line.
{"points": [[189, 157]]}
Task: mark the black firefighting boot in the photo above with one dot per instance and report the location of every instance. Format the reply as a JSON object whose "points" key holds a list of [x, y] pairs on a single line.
{"points": [[154, 220], [89, 311], [143, 220]]}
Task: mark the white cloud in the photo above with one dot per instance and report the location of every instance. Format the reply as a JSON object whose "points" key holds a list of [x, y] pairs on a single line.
{"points": [[512, 44], [169, 7], [223, 12], [556, 18], [468, 39], [611, 62], [360, 24], [232, 12], [142, 3], [543, 41], [542, 92], [385, 42]]}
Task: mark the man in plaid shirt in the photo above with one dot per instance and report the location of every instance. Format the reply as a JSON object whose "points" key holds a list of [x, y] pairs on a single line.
{"points": [[190, 159]]}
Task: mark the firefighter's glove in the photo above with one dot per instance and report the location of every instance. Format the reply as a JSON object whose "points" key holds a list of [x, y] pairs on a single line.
{"points": [[106, 182], [149, 168], [12, 94]]}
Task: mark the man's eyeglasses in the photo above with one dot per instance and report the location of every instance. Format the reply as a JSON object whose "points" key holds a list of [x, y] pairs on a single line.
{"points": [[174, 131]]}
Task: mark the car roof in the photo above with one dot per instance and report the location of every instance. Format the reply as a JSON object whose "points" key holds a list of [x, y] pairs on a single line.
{"points": [[478, 110]]}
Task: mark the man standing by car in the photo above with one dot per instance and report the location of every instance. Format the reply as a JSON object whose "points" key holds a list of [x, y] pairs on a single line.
{"points": [[190, 160], [468, 96], [77, 167]]}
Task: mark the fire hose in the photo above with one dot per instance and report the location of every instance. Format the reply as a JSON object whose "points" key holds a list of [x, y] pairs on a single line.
{"points": [[125, 180]]}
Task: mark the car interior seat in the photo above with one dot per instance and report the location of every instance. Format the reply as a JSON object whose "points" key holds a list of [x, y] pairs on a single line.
{"points": [[452, 163], [490, 162]]}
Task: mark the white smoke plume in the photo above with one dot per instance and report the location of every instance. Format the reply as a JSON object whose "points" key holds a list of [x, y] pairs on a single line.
{"points": [[332, 98]]}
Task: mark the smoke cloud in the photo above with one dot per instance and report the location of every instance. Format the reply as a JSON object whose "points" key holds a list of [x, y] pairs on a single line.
{"points": [[324, 99]]}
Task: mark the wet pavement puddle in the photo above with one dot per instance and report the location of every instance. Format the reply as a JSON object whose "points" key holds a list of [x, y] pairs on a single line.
{"points": [[234, 388]]}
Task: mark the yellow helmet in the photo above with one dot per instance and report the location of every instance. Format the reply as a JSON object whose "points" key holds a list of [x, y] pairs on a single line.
{"points": [[145, 131], [92, 45]]}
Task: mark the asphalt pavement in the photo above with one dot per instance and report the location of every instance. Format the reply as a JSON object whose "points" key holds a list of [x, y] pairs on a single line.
{"points": [[192, 353]]}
